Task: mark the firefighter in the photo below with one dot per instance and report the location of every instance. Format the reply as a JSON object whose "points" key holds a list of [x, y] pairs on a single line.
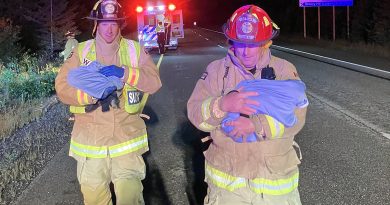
{"points": [[167, 25], [71, 43], [259, 171], [160, 29], [108, 146]]}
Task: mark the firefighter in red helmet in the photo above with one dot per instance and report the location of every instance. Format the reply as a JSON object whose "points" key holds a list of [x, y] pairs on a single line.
{"points": [[108, 145], [262, 169]]}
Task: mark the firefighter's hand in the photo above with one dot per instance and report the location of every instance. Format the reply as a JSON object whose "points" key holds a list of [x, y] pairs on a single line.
{"points": [[238, 101], [112, 70], [242, 127]]}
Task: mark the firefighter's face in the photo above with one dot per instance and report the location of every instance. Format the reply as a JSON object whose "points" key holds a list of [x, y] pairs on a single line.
{"points": [[108, 30], [249, 55]]}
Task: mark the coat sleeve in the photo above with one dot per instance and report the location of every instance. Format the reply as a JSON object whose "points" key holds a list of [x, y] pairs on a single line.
{"points": [[271, 128], [68, 94], [203, 106], [146, 77]]}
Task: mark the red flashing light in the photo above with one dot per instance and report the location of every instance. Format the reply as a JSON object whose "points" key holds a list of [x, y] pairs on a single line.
{"points": [[171, 7], [139, 9]]}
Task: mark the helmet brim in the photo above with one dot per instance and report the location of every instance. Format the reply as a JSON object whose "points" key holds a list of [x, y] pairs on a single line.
{"points": [[275, 33]]}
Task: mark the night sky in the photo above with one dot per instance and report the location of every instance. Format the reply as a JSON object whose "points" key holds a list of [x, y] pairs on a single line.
{"points": [[213, 13]]}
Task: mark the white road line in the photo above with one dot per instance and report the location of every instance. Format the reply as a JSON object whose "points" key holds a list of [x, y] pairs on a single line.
{"points": [[220, 46], [206, 39], [373, 127]]}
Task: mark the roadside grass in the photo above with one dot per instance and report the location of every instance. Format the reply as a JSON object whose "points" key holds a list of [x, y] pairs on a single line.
{"points": [[21, 113]]}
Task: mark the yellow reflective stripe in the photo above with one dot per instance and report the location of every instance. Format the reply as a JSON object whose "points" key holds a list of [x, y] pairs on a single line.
{"points": [[84, 49], [76, 109], [87, 150], [224, 180], [274, 187], [79, 94], [133, 76], [206, 126], [124, 53], [276, 127], [114, 151], [86, 101], [258, 185], [133, 49], [82, 97], [206, 109], [87, 48], [129, 146], [281, 132], [271, 125]]}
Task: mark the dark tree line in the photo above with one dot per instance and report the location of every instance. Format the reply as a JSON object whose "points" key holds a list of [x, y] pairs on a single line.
{"points": [[32, 24], [369, 19], [37, 25]]}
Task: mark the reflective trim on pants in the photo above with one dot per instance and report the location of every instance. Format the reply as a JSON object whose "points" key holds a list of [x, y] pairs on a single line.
{"points": [[126, 173], [220, 196], [258, 185]]}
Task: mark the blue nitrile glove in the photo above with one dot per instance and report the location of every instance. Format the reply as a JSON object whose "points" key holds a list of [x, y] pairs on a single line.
{"points": [[107, 92], [227, 129], [112, 70]]}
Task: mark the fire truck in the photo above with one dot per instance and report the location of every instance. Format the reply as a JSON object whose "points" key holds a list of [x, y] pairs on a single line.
{"points": [[147, 20]]}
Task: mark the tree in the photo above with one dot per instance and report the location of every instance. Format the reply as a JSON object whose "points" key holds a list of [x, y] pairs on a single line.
{"points": [[9, 40], [53, 18], [379, 28]]}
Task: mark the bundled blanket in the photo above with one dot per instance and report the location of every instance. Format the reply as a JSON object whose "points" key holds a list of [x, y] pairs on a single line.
{"points": [[89, 80], [277, 98]]}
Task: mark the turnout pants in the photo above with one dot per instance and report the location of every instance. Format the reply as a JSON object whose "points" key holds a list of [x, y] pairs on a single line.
{"points": [[125, 172], [161, 42], [245, 196]]}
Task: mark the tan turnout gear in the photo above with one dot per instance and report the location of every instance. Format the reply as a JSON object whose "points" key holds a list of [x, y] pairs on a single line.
{"points": [[267, 167], [108, 145]]}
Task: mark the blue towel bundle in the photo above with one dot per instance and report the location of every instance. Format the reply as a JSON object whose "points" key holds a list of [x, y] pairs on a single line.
{"points": [[277, 98], [89, 80]]}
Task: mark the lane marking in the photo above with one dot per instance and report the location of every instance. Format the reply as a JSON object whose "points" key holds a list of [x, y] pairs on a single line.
{"points": [[206, 39], [220, 46], [159, 62], [349, 114]]}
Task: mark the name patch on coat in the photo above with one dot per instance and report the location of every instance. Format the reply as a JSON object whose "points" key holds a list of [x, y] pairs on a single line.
{"points": [[204, 75], [134, 97]]}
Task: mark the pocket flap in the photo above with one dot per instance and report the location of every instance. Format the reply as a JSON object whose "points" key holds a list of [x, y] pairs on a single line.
{"points": [[282, 164]]}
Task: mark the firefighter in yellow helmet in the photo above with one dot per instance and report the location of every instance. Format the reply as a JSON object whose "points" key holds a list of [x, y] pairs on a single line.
{"points": [[108, 146], [71, 43], [161, 34], [254, 162]]}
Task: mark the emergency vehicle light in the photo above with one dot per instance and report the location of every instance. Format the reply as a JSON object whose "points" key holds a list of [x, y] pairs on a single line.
{"points": [[150, 8], [171, 7], [161, 8], [139, 9]]}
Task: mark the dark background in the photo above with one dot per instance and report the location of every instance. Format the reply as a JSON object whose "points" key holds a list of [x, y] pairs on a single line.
{"points": [[369, 19]]}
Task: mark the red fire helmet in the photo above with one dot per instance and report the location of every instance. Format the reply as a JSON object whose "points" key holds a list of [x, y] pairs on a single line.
{"points": [[250, 25]]}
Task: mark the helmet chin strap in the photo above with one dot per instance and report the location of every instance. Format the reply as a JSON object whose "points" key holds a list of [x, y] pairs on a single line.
{"points": [[95, 12]]}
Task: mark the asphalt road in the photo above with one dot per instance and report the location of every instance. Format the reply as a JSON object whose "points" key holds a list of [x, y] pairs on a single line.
{"points": [[345, 144]]}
